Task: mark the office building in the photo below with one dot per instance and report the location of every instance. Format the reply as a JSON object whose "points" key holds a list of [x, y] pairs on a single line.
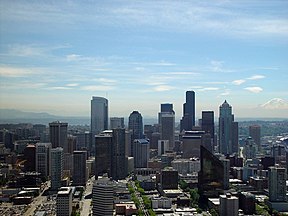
{"points": [[43, 157], [30, 158], [250, 149], [83, 140], [56, 167], [141, 153], [277, 184], [255, 133], [188, 120], [118, 165], [64, 201], [169, 179], [99, 118], [135, 125], [103, 153], [79, 168], [186, 166], [163, 146], [207, 125], [58, 135], [102, 197], [116, 122], [247, 203], [192, 140], [212, 183], [167, 124], [229, 205], [228, 130]]}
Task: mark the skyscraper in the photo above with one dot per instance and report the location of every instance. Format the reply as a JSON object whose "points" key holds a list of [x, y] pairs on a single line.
{"points": [[64, 201], [118, 168], [56, 168], [141, 153], [58, 135], [99, 117], [136, 125], [79, 168], [43, 157], [277, 184], [207, 125], [116, 122], [228, 130], [255, 133], [167, 124], [188, 119]]}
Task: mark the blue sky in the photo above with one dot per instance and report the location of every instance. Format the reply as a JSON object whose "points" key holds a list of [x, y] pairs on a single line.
{"points": [[56, 55]]}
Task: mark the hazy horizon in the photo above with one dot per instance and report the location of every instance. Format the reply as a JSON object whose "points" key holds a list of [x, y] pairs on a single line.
{"points": [[56, 55]]}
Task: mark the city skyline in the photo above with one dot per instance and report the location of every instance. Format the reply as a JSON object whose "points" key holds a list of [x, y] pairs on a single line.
{"points": [[56, 56]]}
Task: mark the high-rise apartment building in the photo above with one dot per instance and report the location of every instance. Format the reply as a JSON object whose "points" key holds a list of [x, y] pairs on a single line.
{"points": [[167, 124], [228, 130], [102, 197], [64, 201], [99, 117], [56, 167], [277, 184], [58, 135], [118, 168], [255, 133], [188, 120], [79, 168], [116, 122], [43, 158], [141, 153]]}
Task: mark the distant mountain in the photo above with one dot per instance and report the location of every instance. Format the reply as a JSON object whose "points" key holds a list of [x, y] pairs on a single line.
{"points": [[275, 103], [13, 116]]}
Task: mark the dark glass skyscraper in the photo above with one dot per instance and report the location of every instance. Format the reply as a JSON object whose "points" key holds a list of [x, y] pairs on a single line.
{"points": [[188, 119], [208, 125], [135, 125]]}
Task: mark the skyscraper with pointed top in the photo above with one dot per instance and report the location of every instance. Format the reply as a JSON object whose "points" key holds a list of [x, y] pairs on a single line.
{"points": [[188, 119], [228, 130]]}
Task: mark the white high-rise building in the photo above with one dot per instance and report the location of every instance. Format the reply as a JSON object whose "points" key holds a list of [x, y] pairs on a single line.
{"points": [[103, 198], [277, 184], [64, 201], [43, 156], [141, 153], [99, 117], [163, 146], [167, 124], [56, 167]]}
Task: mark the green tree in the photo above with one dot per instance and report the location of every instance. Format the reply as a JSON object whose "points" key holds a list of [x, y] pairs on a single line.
{"points": [[194, 197]]}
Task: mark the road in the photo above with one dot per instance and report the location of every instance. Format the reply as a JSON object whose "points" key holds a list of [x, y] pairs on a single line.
{"points": [[139, 197], [86, 203]]}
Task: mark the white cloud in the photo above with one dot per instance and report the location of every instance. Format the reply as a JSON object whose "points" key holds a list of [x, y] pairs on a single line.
{"points": [[275, 103], [254, 89], [72, 84], [58, 88], [181, 73], [97, 88], [209, 89], [163, 88], [6, 71], [105, 80], [238, 82], [256, 77]]}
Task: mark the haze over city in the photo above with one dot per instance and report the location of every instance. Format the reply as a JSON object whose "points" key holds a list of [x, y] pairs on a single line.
{"points": [[55, 56]]}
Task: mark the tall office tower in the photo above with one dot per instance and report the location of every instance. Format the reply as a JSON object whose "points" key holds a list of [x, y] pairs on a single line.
{"points": [[228, 130], [118, 168], [250, 149], [211, 183], [30, 158], [188, 119], [207, 125], [83, 140], [148, 131], [64, 201], [229, 205], [141, 153], [128, 143], [154, 141], [102, 197], [99, 118], [167, 124], [79, 167], [255, 133], [56, 167], [67, 165], [58, 135], [117, 122], [72, 143], [136, 125], [103, 156], [277, 184], [43, 157], [278, 152], [192, 140]]}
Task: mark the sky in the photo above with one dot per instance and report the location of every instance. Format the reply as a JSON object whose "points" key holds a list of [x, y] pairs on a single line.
{"points": [[56, 55]]}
